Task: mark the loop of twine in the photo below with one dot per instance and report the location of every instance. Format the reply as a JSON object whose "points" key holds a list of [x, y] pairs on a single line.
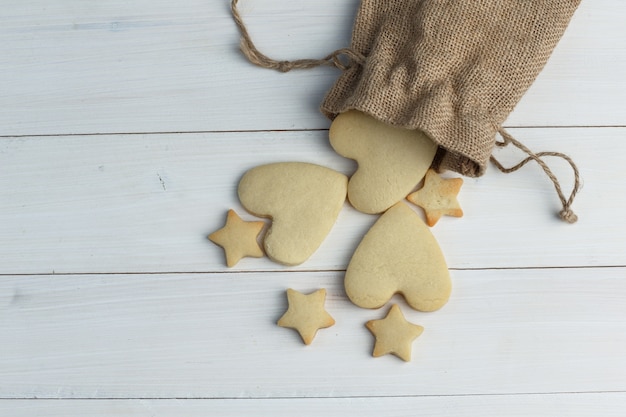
{"points": [[566, 213], [343, 58]]}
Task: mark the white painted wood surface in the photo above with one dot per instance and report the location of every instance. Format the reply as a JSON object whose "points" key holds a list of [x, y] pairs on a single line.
{"points": [[124, 128], [72, 67], [510, 331]]}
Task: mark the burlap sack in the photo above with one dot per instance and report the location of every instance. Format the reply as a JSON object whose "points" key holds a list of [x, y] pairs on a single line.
{"points": [[451, 68], [454, 69]]}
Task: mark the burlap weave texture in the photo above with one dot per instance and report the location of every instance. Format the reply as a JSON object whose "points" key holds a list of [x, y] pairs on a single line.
{"points": [[454, 69]]}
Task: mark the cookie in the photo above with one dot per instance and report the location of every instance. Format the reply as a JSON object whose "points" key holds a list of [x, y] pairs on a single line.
{"points": [[303, 200], [438, 197], [391, 160], [394, 334], [306, 314], [398, 254], [238, 238]]}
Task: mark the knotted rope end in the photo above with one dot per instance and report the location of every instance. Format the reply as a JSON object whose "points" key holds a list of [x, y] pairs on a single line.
{"points": [[568, 215]]}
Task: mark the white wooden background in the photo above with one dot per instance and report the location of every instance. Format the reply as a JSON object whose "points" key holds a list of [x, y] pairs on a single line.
{"points": [[125, 126]]}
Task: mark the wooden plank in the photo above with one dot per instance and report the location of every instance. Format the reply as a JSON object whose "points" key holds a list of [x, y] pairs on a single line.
{"points": [[572, 405], [158, 66], [146, 203], [214, 336]]}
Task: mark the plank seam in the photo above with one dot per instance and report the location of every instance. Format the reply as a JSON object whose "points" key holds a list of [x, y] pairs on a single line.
{"points": [[347, 397], [305, 271], [195, 132]]}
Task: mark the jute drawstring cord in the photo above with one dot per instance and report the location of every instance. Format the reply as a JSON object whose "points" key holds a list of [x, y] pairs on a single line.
{"points": [[566, 213], [342, 58]]}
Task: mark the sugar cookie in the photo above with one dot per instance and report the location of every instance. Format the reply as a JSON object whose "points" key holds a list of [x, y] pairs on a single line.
{"points": [[394, 334], [303, 200], [398, 254], [238, 238], [438, 197], [306, 314], [391, 160]]}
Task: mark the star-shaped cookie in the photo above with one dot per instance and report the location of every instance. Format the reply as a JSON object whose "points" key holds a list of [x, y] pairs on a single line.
{"points": [[394, 334], [438, 197], [306, 314], [238, 238]]}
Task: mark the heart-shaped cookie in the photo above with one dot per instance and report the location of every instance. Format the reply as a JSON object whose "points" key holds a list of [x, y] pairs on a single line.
{"points": [[398, 254], [392, 160], [303, 200]]}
